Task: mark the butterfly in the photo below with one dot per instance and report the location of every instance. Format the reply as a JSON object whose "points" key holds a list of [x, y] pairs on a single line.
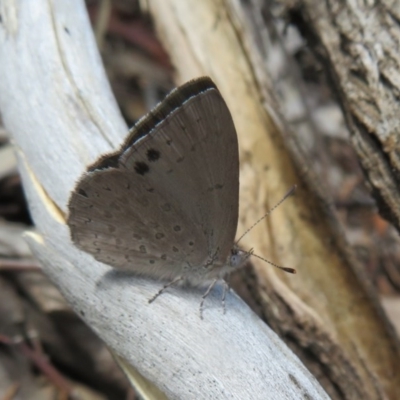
{"points": [[165, 205]]}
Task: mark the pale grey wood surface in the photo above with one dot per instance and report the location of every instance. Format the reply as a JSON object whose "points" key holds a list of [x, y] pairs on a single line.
{"points": [[57, 105]]}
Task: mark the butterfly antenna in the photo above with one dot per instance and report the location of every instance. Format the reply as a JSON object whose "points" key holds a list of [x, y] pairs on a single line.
{"points": [[290, 270], [289, 193]]}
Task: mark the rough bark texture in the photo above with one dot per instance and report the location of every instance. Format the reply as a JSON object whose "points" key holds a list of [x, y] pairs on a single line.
{"points": [[359, 44]]}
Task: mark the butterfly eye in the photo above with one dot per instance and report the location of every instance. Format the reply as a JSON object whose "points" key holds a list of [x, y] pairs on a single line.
{"points": [[238, 257], [235, 260]]}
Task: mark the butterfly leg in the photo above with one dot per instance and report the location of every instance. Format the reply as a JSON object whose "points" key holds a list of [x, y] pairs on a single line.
{"points": [[176, 280], [227, 288], [205, 295]]}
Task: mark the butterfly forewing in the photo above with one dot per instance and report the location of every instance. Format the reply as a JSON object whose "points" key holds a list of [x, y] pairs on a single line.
{"points": [[168, 201]]}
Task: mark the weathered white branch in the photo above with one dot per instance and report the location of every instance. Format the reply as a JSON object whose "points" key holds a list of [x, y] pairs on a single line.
{"points": [[56, 102]]}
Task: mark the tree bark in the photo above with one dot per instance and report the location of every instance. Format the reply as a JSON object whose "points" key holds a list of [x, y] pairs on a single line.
{"points": [[359, 43]]}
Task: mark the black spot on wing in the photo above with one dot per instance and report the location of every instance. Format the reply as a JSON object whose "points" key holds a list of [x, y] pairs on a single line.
{"points": [[141, 168], [153, 155]]}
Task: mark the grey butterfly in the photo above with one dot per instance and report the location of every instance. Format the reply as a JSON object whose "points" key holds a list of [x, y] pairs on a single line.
{"points": [[165, 205]]}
